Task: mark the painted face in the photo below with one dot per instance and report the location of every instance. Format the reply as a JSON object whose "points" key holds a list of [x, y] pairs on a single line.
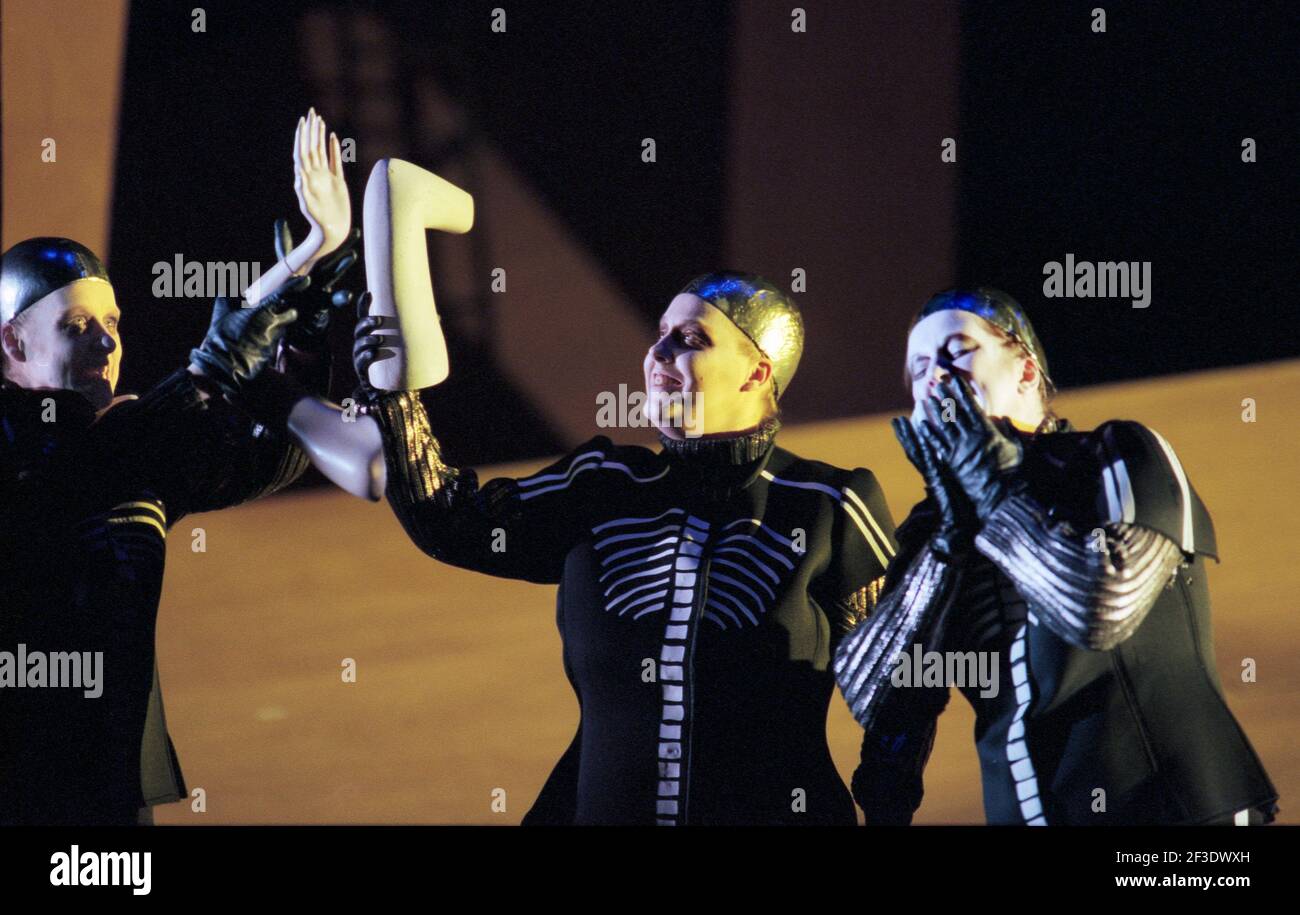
{"points": [[956, 342], [68, 340], [703, 376]]}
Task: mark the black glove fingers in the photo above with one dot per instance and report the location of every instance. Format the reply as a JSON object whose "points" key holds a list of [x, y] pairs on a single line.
{"points": [[362, 360], [937, 446], [369, 325], [947, 431], [363, 305], [968, 405], [367, 345], [220, 308], [334, 273], [281, 298], [931, 463], [906, 436]]}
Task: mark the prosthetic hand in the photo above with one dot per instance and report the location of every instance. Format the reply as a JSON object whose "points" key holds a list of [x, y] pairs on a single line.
{"points": [[402, 201], [980, 455], [322, 198], [955, 535]]}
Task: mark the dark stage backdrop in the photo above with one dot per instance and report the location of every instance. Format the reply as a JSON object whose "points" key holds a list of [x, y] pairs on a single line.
{"points": [[1123, 145], [206, 129], [1127, 146]]}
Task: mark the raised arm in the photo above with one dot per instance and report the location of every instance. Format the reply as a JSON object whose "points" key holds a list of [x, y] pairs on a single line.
{"points": [[513, 528]]}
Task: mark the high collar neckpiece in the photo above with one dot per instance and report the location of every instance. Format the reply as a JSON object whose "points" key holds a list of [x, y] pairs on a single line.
{"points": [[726, 450]]}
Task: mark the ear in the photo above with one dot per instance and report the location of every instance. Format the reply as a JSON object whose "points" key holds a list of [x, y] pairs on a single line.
{"points": [[10, 342], [758, 376], [1028, 374]]}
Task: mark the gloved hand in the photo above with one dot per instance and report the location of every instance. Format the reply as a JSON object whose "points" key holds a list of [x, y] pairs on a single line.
{"points": [[316, 299], [955, 534], [366, 348], [241, 341], [980, 454]]}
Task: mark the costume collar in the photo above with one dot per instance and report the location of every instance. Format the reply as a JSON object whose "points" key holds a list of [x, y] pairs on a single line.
{"points": [[1049, 424], [724, 450]]}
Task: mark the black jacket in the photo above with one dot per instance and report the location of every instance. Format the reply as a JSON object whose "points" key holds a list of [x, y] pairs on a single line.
{"points": [[1139, 733], [86, 506], [699, 603]]}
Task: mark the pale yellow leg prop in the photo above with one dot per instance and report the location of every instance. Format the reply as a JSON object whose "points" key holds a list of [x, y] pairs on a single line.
{"points": [[402, 202]]}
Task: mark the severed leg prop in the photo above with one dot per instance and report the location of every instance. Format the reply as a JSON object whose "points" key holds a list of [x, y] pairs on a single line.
{"points": [[402, 201]]}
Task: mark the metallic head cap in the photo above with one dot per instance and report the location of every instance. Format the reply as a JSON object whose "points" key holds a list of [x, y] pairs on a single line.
{"points": [[996, 307], [32, 269], [763, 312]]}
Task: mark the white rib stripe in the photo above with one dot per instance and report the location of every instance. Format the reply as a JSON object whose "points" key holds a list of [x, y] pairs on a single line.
{"points": [[746, 538], [819, 487], [576, 469], [525, 482], [617, 521]]}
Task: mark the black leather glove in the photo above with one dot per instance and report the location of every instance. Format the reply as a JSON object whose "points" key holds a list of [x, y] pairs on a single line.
{"points": [[955, 535], [366, 348], [980, 454], [241, 341], [317, 299]]}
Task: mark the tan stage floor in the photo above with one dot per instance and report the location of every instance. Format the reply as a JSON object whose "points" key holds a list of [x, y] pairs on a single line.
{"points": [[460, 694]]}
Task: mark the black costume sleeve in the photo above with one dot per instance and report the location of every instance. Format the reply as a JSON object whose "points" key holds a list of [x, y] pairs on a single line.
{"points": [[1140, 480], [200, 455], [899, 723], [509, 528], [214, 455], [1093, 579], [242, 459], [888, 783], [863, 545]]}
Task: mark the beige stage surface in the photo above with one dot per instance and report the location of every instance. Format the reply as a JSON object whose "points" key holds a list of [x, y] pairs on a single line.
{"points": [[460, 694]]}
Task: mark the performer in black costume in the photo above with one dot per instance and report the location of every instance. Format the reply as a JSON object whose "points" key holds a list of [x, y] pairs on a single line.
{"points": [[89, 487], [1079, 557], [732, 563]]}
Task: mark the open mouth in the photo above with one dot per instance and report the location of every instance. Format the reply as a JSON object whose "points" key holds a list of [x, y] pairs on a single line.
{"points": [[666, 382]]}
